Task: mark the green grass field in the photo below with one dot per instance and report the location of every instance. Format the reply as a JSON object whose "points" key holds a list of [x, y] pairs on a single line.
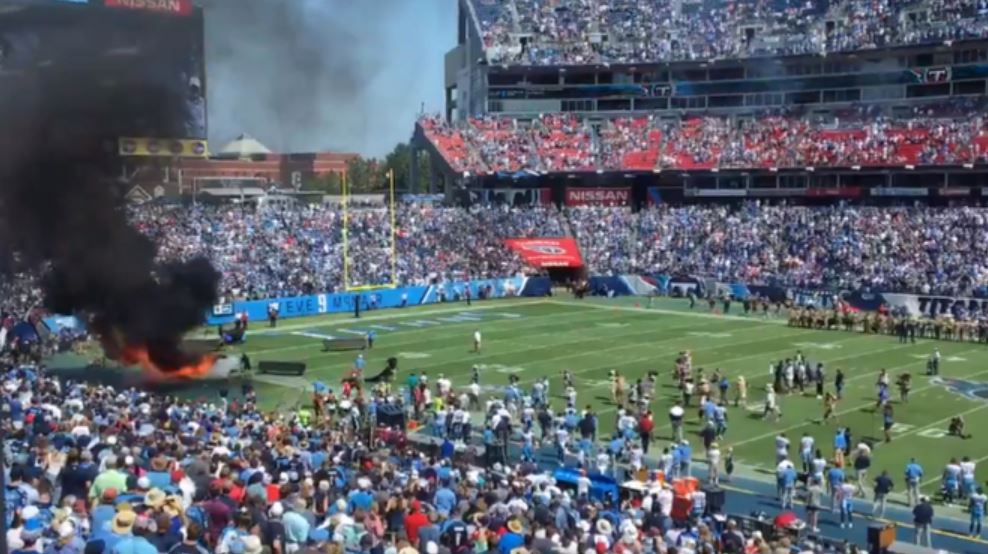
{"points": [[534, 337]]}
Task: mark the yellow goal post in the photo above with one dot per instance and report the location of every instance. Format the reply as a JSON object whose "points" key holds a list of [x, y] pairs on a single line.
{"points": [[348, 283]]}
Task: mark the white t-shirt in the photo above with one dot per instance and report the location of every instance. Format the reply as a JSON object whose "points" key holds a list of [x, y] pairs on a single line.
{"points": [[476, 336], [666, 462], [806, 444], [635, 457], [562, 436], [665, 501], [781, 445], [967, 469], [583, 485]]}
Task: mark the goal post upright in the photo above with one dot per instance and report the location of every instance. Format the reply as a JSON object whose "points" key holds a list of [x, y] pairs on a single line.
{"points": [[391, 206]]}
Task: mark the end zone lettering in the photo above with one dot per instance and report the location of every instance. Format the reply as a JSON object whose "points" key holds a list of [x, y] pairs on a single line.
{"points": [[598, 196], [177, 7]]}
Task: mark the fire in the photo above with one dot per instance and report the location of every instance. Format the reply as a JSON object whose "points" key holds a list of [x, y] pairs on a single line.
{"points": [[138, 355]]}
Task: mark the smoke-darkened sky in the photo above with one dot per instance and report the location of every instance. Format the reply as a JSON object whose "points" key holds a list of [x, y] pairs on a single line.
{"points": [[318, 75]]}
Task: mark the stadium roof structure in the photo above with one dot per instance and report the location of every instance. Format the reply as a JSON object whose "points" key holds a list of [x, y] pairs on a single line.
{"points": [[244, 146]]}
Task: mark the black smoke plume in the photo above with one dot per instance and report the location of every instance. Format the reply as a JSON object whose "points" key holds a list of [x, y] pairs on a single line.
{"points": [[62, 218]]}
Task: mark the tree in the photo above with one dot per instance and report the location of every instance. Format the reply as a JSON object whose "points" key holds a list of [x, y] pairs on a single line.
{"points": [[399, 161], [327, 183], [364, 175], [334, 182]]}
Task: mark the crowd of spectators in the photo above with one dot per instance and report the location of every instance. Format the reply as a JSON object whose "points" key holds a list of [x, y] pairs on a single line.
{"points": [[20, 294], [922, 250], [94, 469], [298, 250], [854, 137], [575, 32], [265, 253], [501, 145]]}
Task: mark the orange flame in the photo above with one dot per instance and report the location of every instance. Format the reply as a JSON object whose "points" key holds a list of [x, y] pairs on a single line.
{"points": [[138, 355]]}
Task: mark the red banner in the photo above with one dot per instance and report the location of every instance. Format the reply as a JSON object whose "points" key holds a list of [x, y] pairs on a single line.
{"points": [[598, 196], [176, 7], [547, 252]]}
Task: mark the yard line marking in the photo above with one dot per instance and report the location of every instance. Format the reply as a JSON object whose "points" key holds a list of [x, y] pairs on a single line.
{"points": [[538, 320], [755, 378], [400, 313], [849, 410], [567, 356], [724, 361], [665, 311], [635, 360], [939, 477], [934, 424], [595, 352]]}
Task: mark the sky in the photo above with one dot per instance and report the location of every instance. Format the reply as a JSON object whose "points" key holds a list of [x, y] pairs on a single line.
{"points": [[325, 75]]}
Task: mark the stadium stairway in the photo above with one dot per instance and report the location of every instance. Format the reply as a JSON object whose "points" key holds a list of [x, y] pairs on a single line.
{"points": [[569, 233]]}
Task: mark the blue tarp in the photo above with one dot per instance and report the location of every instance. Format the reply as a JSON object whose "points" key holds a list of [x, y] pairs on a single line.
{"points": [[601, 486]]}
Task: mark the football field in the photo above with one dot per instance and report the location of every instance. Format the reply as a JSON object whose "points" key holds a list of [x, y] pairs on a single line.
{"points": [[532, 338]]}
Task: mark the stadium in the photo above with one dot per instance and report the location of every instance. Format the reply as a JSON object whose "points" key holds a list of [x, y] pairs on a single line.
{"points": [[658, 277]]}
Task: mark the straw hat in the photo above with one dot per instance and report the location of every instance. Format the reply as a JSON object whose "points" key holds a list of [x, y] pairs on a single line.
{"points": [[155, 498], [123, 522]]}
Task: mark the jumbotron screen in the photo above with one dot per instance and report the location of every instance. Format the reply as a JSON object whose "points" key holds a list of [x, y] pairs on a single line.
{"points": [[133, 65]]}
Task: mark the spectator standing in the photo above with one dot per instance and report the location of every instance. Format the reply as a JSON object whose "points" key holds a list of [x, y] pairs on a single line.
{"points": [[923, 521]]}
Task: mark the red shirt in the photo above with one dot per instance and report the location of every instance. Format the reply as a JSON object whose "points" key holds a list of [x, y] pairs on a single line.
{"points": [[413, 522], [274, 493], [646, 425]]}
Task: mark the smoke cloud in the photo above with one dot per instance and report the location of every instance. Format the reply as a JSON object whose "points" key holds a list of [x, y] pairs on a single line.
{"points": [[310, 75], [61, 216]]}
